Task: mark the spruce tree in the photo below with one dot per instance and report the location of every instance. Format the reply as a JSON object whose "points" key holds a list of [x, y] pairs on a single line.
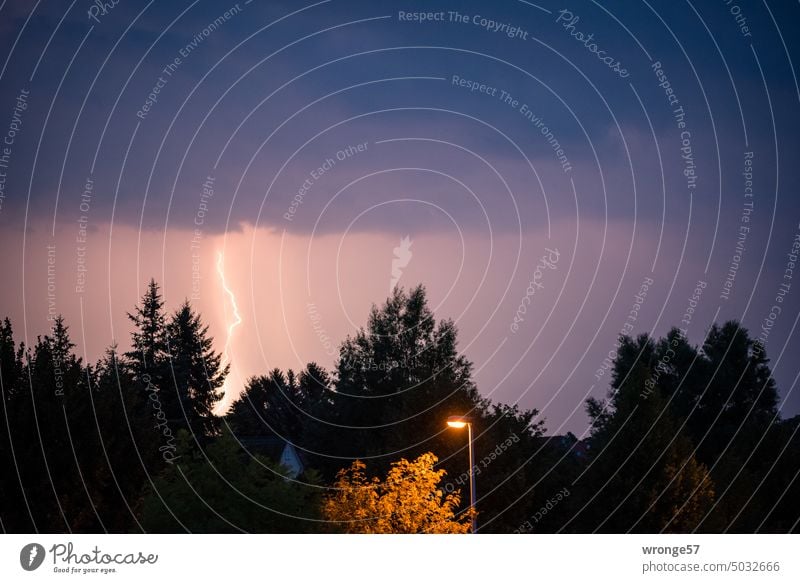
{"points": [[147, 357], [196, 371]]}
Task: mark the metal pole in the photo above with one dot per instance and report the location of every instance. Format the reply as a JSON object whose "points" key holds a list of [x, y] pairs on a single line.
{"points": [[471, 479]]}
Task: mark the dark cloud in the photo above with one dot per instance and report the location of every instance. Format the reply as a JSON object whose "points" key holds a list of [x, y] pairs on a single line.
{"points": [[349, 122]]}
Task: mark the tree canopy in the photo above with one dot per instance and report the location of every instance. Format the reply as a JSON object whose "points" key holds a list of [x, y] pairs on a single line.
{"points": [[407, 501], [688, 439]]}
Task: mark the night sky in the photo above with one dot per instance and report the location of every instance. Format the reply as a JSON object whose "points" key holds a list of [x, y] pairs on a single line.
{"points": [[555, 174]]}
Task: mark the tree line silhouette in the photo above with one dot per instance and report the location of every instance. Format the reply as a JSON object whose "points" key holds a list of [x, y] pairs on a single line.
{"points": [[689, 438]]}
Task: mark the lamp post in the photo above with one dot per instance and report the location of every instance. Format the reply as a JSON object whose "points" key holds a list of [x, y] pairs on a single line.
{"points": [[459, 422]]}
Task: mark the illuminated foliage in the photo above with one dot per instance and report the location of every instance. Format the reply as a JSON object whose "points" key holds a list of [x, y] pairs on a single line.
{"points": [[408, 501]]}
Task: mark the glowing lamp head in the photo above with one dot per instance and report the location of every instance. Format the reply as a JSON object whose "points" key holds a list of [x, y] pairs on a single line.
{"points": [[457, 421]]}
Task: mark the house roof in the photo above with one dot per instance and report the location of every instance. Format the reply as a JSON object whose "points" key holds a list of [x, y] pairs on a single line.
{"points": [[270, 446]]}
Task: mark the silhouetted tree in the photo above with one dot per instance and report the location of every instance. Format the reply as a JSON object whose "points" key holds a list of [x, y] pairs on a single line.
{"points": [[724, 397], [148, 355], [81, 444], [269, 405], [397, 382], [739, 391], [399, 379], [56, 381], [10, 361], [689, 438], [642, 475], [773, 504], [300, 409], [122, 444], [13, 506], [196, 372]]}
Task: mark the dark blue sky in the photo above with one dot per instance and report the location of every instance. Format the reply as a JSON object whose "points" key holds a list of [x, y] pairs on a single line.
{"points": [[272, 90], [347, 48]]}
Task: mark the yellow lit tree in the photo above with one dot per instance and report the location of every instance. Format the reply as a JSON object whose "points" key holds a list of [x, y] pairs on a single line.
{"points": [[408, 501]]}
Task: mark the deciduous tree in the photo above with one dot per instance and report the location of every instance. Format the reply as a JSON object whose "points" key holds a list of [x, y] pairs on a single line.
{"points": [[407, 501]]}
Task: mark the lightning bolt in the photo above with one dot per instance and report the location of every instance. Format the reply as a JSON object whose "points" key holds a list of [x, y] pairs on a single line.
{"points": [[237, 319], [34, 552]]}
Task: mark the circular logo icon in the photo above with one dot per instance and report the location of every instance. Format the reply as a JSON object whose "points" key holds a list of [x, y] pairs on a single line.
{"points": [[31, 556]]}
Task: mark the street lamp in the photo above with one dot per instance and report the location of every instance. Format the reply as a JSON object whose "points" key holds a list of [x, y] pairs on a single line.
{"points": [[459, 422]]}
